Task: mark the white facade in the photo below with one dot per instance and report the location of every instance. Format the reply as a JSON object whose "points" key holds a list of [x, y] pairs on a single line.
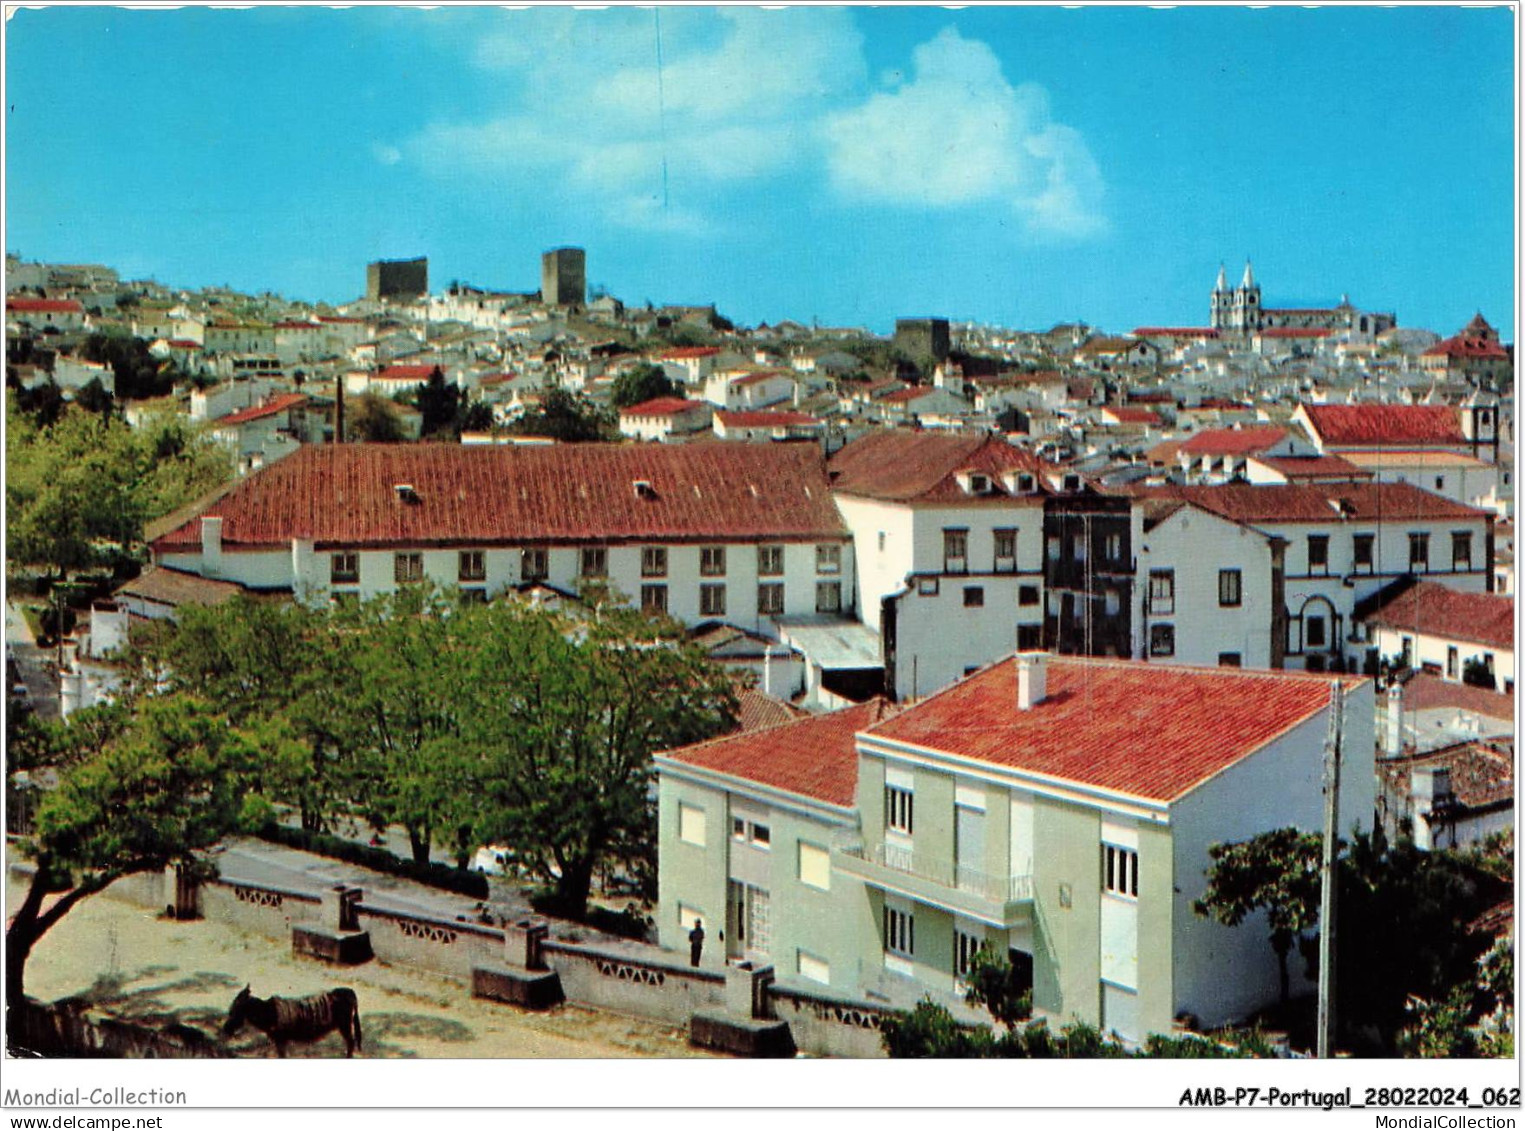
{"points": [[1445, 656], [1278, 786], [1185, 597], [690, 594], [952, 614]]}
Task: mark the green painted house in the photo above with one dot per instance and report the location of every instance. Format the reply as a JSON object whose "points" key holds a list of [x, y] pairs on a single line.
{"points": [[1059, 810]]}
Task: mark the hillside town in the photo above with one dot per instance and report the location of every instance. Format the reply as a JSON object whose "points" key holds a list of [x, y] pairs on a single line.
{"points": [[1024, 625]]}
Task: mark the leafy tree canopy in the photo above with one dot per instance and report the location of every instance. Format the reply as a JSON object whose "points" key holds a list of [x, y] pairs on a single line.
{"points": [[644, 382]]}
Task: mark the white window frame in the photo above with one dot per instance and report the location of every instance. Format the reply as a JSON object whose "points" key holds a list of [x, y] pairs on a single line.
{"points": [[828, 558], [712, 599], [711, 561], [692, 822], [1119, 871], [770, 561], [899, 933], [900, 810]]}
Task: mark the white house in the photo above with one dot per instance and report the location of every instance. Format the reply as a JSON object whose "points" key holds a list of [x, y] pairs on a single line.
{"points": [[665, 418], [1433, 627], [740, 533], [45, 313], [1058, 811], [767, 425], [747, 390], [949, 537]]}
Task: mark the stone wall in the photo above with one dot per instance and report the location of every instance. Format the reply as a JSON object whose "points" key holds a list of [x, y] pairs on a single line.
{"points": [[662, 990], [823, 1025], [443, 946]]}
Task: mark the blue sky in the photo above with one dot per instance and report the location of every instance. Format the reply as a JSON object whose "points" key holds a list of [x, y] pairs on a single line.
{"points": [[1018, 166]]}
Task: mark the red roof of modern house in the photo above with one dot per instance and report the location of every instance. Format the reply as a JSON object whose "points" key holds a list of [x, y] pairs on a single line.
{"points": [[1148, 730], [1393, 425], [815, 757], [1308, 502], [183, 344], [1233, 441], [1465, 346], [1432, 609], [924, 466], [339, 320], [1222, 403], [1293, 332], [1124, 415], [1313, 467], [345, 495], [688, 353], [406, 372], [44, 305], [663, 406], [256, 412], [1151, 398], [764, 418], [1175, 332]]}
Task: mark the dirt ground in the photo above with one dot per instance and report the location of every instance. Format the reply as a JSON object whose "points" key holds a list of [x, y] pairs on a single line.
{"points": [[131, 962]]}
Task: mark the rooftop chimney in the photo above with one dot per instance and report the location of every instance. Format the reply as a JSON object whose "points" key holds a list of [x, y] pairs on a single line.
{"points": [[211, 545], [1032, 679]]}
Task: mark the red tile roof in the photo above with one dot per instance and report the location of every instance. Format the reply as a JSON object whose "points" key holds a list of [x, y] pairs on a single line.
{"points": [[923, 466], [689, 353], [1394, 425], [757, 711], [345, 495], [1307, 502], [1482, 773], [183, 344], [44, 306], [1427, 692], [1125, 415], [1152, 731], [270, 408], [1465, 346], [338, 320], [764, 418], [1234, 441], [813, 757], [406, 372], [1313, 467], [662, 406], [1293, 332], [1433, 609], [1175, 332], [906, 396], [1151, 398]]}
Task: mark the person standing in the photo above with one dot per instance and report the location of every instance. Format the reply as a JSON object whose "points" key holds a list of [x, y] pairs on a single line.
{"points": [[696, 942]]}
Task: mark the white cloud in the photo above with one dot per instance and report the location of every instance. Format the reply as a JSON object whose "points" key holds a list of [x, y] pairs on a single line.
{"points": [[747, 94], [960, 134]]}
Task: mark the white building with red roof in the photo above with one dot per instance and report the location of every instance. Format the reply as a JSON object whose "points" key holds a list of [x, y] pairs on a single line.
{"points": [[1471, 429], [1474, 355], [740, 533], [1059, 811], [690, 365], [665, 418], [1218, 455], [44, 313], [1431, 627], [750, 389], [767, 425]]}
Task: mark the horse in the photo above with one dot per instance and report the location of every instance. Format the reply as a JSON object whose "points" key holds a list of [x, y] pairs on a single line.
{"points": [[298, 1019]]}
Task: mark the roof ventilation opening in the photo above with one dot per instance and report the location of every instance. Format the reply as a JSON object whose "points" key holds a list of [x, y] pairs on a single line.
{"points": [[406, 493], [644, 489]]}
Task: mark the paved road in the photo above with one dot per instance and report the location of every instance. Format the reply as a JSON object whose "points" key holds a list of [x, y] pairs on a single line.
{"points": [[34, 663]]}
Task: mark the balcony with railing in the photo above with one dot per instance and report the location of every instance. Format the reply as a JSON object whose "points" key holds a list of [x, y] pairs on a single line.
{"points": [[1004, 901]]}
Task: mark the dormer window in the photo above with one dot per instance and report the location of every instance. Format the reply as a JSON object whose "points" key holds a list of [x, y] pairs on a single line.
{"points": [[1071, 482], [1026, 483], [979, 485], [644, 489]]}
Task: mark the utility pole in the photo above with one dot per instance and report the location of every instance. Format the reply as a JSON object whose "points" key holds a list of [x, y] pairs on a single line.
{"points": [[1328, 877]]}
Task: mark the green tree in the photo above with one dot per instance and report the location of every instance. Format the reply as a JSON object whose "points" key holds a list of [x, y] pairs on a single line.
{"points": [[565, 416], [438, 403], [643, 382], [1276, 872], [170, 784], [566, 716], [94, 398], [373, 419]]}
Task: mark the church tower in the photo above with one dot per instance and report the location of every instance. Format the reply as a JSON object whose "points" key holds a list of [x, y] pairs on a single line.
{"points": [[1246, 312], [1222, 301]]}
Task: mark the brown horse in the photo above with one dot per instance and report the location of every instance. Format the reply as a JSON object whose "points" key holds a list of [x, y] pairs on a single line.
{"points": [[298, 1019]]}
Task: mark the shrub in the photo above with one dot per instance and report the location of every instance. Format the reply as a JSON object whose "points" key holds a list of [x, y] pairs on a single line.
{"points": [[443, 876]]}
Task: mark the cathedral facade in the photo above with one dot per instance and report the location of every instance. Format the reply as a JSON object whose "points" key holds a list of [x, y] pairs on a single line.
{"points": [[1240, 311]]}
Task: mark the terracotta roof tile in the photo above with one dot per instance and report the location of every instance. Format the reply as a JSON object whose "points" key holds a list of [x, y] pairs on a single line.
{"points": [[1466, 346], [1175, 332], [1233, 441], [758, 711], [1482, 773], [813, 757], [1391, 424], [1427, 692], [1313, 467], [764, 418], [1152, 731], [344, 495], [175, 588], [44, 306], [1437, 610], [923, 466], [1308, 502], [256, 412], [663, 406]]}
